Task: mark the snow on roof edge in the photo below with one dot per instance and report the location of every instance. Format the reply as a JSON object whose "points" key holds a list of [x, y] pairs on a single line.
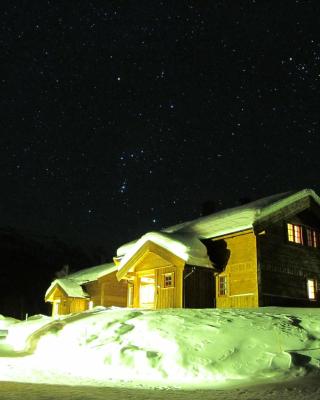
{"points": [[92, 273], [188, 247], [71, 284], [295, 196], [253, 212], [71, 288]]}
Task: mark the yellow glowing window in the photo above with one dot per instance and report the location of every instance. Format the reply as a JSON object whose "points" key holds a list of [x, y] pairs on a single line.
{"points": [[168, 280], [222, 285], [295, 233], [311, 285]]}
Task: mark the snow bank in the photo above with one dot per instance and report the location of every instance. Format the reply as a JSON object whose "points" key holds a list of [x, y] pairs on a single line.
{"points": [[20, 331], [5, 322], [172, 347]]}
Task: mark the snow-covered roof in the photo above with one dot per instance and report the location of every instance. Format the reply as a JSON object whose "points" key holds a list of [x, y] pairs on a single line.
{"points": [[184, 245], [70, 287], [71, 284], [227, 221], [93, 273], [240, 218]]}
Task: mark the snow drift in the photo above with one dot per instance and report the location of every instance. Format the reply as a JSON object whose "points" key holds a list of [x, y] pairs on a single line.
{"points": [[171, 347]]}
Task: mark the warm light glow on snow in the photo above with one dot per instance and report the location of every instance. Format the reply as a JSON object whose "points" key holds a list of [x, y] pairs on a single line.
{"points": [[170, 347]]}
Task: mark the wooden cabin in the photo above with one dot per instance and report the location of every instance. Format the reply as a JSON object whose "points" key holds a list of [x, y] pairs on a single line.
{"points": [[263, 253], [82, 290]]}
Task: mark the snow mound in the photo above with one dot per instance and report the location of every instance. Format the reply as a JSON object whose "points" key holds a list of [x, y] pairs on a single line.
{"points": [[171, 347]]}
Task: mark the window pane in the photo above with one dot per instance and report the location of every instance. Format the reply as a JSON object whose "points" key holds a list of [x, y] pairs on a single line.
{"points": [[309, 237], [315, 238], [297, 234], [311, 289], [222, 285], [168, 280], [290, 232]]}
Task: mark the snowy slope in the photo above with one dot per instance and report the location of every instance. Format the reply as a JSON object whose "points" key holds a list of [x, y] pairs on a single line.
{"points": [[165, 348]]}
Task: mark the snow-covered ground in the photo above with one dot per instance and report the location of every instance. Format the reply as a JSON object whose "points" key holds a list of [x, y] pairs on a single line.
{"points": [[117, 352]]}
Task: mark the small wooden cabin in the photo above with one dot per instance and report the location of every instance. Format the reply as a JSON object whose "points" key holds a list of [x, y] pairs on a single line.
{"points": [[266, 252], [82, 290]]}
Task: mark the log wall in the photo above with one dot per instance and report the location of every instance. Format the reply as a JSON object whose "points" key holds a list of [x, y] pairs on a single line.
{"points": [[285, 266]]}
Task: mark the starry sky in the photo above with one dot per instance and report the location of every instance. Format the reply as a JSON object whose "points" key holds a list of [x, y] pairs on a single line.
{"points": [[119, 118]]}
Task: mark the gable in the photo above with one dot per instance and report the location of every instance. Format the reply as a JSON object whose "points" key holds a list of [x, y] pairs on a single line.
{"points": [[147, 254], [288, 209], [183, 245], [69, 287], [306, 217], [54, 292]]}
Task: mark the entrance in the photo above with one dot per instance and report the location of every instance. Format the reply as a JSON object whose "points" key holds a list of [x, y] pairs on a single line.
{"points": [[55, 308], [147, 292]]}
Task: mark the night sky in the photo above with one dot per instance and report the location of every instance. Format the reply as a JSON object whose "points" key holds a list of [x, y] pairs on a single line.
{"points": [[119, 118]]}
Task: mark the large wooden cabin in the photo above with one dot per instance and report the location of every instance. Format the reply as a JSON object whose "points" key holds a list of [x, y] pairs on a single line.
{"points": [[266, 252], [263, 253], [82, 290]]}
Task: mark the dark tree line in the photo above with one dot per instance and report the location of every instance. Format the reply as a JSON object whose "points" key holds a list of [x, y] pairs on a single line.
{"points": [[28, 264]]}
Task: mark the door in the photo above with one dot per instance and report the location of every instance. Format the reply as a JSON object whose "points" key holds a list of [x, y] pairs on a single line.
{"points": [[55, 308], [147, 291], [168, 288]]}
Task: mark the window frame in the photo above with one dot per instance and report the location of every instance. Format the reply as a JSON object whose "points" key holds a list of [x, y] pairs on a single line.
{"points": [[313, 237], [302, 235], [312, 289], [170, 281], [223, 285], [295, 233]]}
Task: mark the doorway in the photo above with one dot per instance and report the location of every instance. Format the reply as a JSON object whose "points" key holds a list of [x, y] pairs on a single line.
{"points": [[147, 291]]}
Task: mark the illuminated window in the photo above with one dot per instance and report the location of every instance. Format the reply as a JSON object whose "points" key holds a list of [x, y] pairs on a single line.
{"points": [[295, 233], [311, 285], [168, 280], [222, 285], [312, 237]]}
